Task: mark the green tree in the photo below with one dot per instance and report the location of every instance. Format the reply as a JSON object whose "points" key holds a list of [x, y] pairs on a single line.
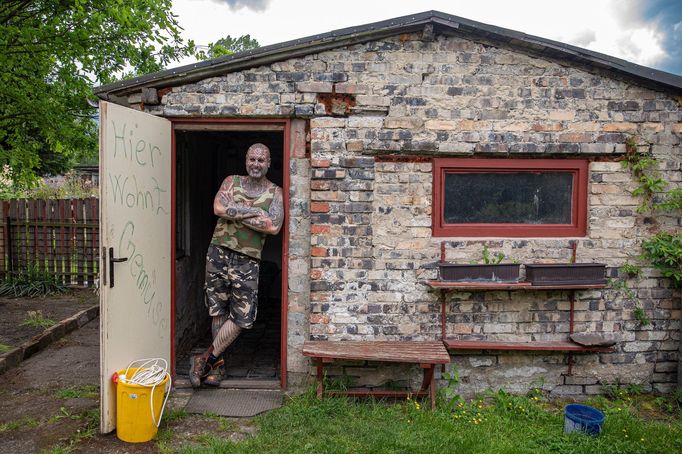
{"points": [[226, 46], [51, 54]]}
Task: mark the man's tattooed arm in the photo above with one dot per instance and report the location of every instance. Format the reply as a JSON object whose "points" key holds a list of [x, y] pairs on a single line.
{"points": [[270, 222], [225, 207]]}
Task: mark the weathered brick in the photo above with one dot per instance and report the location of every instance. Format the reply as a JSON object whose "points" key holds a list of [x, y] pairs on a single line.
{"points": [[547, 127], [362, 162], [621, 106], [373, 100], [352, 88], [315, 87], [318, 251], [292, 76], [472, 125], [355, 145], [666, 367], [441, 124], [403, 122], [320, 163], [620, 127], [319, 318], [562, 115], [328, 173], [575, 137], [327, 122]]}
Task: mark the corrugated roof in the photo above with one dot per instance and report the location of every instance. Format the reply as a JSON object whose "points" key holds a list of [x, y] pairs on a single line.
{"points": [[443, 23]]}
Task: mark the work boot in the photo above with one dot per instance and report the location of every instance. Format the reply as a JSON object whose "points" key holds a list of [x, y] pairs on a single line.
{"points": [[198, 369], [216, 374]]}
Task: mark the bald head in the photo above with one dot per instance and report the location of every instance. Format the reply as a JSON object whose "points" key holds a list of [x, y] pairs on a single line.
{"points": [[259, 148], [257, 160]]}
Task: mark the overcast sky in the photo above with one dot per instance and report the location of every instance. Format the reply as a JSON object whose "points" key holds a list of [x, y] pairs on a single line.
{"points": [[647, 32]]}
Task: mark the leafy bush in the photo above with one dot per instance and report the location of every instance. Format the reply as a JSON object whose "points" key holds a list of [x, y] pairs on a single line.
{"points": [[36, 320], [664, 250], [72, 187], [31, 283]]}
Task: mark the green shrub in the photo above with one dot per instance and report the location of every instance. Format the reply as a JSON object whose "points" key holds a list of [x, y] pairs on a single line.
{"points": [[30, 283], [664, 250], [36, 319]]}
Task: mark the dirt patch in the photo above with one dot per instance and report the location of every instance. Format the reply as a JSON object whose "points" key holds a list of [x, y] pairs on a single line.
{"points": [[50, 402], [15, 311]]}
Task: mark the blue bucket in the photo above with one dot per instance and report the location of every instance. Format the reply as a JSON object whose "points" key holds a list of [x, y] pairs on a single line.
{"points": [[584, 418]]}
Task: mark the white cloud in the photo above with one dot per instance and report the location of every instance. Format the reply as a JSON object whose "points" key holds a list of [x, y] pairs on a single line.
{"points": [[607, 26], [255, 5]]}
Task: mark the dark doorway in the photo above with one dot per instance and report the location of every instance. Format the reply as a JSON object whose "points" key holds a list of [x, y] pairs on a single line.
{"points": [[203, 159]]}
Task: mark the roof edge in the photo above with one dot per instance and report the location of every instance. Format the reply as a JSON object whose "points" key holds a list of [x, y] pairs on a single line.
{"points": [[376, 30]]}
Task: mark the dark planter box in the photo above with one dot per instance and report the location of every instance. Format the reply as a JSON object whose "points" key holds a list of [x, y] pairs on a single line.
{"points": [[502, 272], [566, 273]]}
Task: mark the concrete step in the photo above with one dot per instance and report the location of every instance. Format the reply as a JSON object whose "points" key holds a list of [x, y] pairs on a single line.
{"points": [[232, 383]]}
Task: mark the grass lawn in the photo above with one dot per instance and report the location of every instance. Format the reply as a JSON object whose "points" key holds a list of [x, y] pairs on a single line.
{"points": [[495, 423]]}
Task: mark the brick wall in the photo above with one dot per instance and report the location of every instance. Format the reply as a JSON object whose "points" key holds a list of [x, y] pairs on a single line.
{"points": [[368, 217]]}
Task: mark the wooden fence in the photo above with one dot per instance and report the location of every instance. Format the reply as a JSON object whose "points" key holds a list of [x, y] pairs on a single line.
{"points": [[60, 237]]}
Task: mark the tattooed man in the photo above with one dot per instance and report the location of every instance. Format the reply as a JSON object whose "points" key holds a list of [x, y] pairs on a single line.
{"points": [[249, 208]]}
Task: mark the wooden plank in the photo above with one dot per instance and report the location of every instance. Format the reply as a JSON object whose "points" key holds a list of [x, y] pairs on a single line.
{"points": [[80, 240], [93, 244], [390, 351], [63, 250], [56, 223], [50, 211], [456, 285], [11, 234], [21, 236], [58, 238], [3, 238], [376, 393], [30, 236], [228, 127], [559, 346], [16, 236], [44, 234]]}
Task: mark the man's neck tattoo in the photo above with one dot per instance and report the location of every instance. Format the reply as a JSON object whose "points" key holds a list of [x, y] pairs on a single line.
{"points": [[254, 186]]}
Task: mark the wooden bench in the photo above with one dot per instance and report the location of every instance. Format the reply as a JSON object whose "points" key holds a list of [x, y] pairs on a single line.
{"points": [[426, 354], [558, 346]]}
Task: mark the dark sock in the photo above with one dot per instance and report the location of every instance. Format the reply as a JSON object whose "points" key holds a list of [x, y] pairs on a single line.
{"points": [[211, 359]]}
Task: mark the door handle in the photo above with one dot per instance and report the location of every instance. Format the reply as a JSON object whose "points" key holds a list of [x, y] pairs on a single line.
{"points": [[113, 260]]}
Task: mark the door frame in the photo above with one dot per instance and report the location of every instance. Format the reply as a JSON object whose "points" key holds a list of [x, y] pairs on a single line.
{"points": [[233, 124]]}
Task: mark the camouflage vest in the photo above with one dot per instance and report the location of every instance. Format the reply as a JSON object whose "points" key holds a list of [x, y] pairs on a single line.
{"points": [[234, 234]]}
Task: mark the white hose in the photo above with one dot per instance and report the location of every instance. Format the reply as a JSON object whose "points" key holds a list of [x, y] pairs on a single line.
{"points": [[150, 373]]}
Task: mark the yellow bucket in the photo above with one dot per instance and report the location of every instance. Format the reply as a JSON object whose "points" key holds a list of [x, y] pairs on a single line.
{"points": [[134, 420]]}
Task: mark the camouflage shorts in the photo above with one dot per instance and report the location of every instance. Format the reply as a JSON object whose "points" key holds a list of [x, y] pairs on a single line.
{"points": [[231, 285]]}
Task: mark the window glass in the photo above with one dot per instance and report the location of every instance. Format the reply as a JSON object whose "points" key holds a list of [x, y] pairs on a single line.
{"points": [[510, 197], [514, 197]]}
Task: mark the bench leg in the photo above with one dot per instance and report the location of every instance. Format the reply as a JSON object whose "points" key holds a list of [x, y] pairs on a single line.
{"points": [[429, 382], [320, 378]]}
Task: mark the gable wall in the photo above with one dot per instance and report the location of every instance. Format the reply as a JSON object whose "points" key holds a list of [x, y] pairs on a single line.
{"points": [[369, 217]]}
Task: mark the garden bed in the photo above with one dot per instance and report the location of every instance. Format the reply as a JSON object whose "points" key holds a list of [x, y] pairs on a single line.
{"points": [[15, 311]]}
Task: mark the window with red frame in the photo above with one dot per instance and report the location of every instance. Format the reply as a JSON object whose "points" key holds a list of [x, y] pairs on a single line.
{"points": [[510, 197]]}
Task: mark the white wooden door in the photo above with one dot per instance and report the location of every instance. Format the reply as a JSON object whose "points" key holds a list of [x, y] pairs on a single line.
{"points": [[135, 213]]}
